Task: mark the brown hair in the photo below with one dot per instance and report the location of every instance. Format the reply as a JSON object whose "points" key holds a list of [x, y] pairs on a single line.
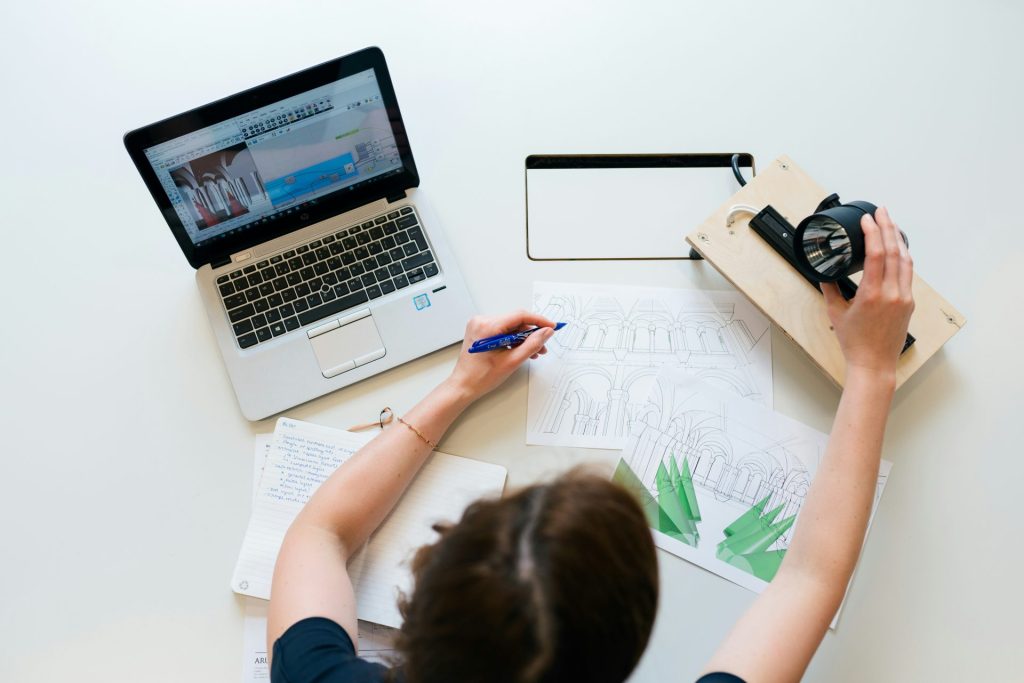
{"points": [[557, 582]]}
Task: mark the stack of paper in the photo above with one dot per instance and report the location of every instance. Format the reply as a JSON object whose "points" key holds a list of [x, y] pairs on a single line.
{"points": [[376, 642], [681, 381], [300, 458]]}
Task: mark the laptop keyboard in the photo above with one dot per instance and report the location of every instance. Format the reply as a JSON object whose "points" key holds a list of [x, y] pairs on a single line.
{"points": [[326, 276]]}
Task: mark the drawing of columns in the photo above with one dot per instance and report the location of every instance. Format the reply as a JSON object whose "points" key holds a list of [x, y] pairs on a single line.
{"points": [[559, 414], [580, 422], [644, 456], [615, 416]]}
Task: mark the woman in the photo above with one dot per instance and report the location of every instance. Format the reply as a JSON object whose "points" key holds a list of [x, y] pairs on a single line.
{"points": [[558, 582]]}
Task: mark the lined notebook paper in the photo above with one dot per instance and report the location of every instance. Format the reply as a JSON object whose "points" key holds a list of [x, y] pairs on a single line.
{"points": [[301, 457]]}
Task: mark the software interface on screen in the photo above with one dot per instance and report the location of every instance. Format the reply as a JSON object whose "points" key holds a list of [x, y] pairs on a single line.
{"points": [[248, 169]]}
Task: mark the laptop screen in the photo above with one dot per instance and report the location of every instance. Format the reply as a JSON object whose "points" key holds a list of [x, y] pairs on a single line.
{"points": [[279, 159]]}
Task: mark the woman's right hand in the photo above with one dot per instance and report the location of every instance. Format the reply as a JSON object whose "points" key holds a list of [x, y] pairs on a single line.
{"points": [[475, 374], [872, 328]]}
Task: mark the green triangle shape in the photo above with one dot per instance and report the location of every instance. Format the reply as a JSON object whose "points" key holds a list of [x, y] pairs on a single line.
{"points": [[626, 477], [688, 493], [763, 565], [748, 519]]}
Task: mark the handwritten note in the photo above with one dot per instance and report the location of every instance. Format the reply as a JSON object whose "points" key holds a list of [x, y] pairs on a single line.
{"points": [[376, 642], [301, 457]]}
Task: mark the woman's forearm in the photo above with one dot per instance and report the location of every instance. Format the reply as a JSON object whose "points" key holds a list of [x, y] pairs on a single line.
{"points": [[360, 493], [776, 638], [828, 538], [311, 574]]}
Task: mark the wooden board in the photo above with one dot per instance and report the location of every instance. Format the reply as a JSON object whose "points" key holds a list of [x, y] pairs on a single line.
{"points": [[792, 303]]}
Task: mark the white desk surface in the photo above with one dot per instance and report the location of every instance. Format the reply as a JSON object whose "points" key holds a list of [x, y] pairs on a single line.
{"points": [[127, 466]]}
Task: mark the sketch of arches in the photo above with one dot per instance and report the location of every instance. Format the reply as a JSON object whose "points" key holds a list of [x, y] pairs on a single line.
{"points": [[678, 426], [642, 339], [702, 465], [714, 340], [717, 469], [598, 416], [650, 309], [797, 483], [633, 338], [743, 340], [744, 467], [741, 481], [576, 403], [578, 390], [581, 400], [663, 341], [692, 339], [649, 413], [593, 336], [577, 373], [729, 381], [612, 336], [701, 317], [638, 375], [755, 470]]}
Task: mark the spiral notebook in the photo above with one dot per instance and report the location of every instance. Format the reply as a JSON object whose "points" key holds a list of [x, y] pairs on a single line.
{"points": [[301, 457]]}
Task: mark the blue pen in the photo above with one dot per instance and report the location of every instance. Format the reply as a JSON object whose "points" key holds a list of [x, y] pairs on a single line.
{"points": [[506, 341]]}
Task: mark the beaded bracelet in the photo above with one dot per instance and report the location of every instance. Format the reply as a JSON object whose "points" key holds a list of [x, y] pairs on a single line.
{"points": [[417, 433], [384, 418]]}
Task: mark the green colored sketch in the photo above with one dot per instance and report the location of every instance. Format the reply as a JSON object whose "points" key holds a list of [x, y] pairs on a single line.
{"points": [[626, 478], [748, 538], [673, 510]]}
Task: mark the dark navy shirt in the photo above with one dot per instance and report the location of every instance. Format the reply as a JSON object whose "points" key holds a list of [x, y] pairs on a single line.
{"points": [[318, 650]]}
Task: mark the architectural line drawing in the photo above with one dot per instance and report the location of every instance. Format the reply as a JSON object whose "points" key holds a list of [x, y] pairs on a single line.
{"points": [[748, 469], [592, 386], [731, 462]]}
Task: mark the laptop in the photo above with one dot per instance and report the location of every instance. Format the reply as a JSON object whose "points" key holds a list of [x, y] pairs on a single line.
{"points": [[317, 257]]}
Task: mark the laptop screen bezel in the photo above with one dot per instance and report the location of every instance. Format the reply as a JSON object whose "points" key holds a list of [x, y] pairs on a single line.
{"points": [[219, 251]]}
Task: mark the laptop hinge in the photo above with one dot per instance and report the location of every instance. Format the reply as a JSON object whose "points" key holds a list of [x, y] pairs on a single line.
{"points": [[396, 197], [220, 262]]}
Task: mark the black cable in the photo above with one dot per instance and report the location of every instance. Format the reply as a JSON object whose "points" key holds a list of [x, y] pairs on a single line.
{"points": [[735, 161]]}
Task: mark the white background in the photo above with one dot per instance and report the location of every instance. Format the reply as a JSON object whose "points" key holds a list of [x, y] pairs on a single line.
{"points": [[126, 464]]}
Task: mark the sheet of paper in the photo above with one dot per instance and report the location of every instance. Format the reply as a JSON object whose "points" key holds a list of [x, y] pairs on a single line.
{"points": [[261, 450], [442, 490], [376, 642], [592, 385], [301, 457], [722, 480], [254, 642], [254, 623]]}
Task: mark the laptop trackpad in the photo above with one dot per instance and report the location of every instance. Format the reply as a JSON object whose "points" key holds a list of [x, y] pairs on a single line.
{"points": [[348, 347]]}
